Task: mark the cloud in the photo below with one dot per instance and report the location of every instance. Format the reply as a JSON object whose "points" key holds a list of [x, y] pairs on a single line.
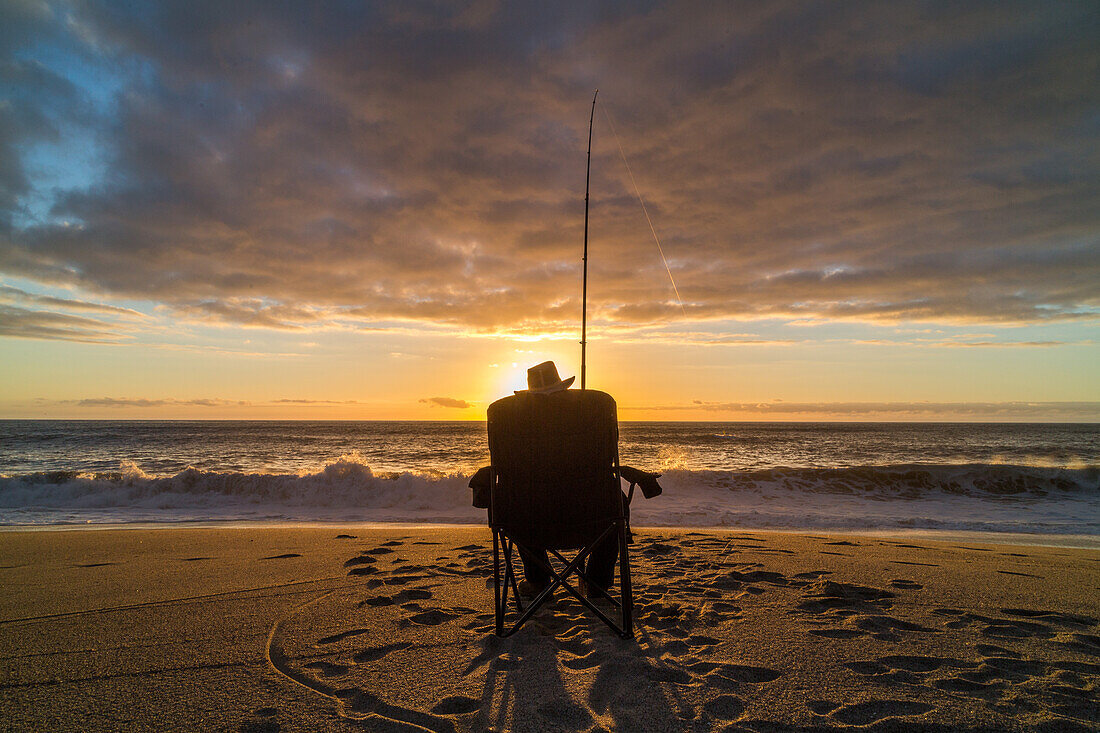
{"points": [[385, 163], [898, 410], [446, 402], [140, 402], [9, 294], [1004, 344], [315, 402], [23, 323], [129, 402]]}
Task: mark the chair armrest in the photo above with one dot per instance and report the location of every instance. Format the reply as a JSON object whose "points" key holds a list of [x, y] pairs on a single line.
{"points": [[481, 483], [645, 479]]}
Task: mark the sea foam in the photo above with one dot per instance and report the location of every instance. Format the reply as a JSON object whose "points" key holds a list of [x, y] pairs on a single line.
{"points": [[994, 498]]}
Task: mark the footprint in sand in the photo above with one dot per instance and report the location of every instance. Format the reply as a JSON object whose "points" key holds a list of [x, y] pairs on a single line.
{"points": [[885, 628], [412, 594], [660, 550], [701, 640], [265, 724], [93, 564], [457, 705], [905, 584], [959, 619], [342, 635], [1084, 643], [917, 663], [837, 633], [1022, 575], [284, 556], [660, 671], [433, 617], [759, 576], [732, 675], [865, 713], [592, 659], [374, 653], [966, 686], [724, 707], [403, 579], [327, 669], [1014, 628], [828, 595], [867, 668], [719, 612], [1007, 669], [1062, 619]]}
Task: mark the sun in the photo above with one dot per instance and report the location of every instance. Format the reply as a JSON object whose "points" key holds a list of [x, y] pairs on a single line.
{"points": [[511, 375]]}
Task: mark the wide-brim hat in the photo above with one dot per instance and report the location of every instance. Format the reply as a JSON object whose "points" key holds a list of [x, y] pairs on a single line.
{"points": [[543, 379]]}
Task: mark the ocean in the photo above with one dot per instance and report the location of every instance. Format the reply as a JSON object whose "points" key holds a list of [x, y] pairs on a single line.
{"points": [[1039, 479]]}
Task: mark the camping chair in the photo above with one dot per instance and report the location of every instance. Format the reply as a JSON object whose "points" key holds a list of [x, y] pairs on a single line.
{"points": [[554, 485]]}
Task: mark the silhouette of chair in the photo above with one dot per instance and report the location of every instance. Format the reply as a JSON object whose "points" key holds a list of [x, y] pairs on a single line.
{"points": [[554, 485]]}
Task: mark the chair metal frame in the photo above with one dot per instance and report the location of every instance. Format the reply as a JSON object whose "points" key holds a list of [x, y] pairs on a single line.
{"points": [[505, 585]]}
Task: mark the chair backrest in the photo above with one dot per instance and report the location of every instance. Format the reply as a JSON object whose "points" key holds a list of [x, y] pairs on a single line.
{"points": [[555, 460]]}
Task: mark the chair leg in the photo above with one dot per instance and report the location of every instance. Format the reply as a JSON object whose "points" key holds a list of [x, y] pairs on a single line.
{"points": [[626, 590], [510, 576], [502, 544], [498, 611]]}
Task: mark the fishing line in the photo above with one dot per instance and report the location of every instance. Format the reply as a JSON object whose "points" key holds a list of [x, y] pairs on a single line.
{"points": [[645, 211]]}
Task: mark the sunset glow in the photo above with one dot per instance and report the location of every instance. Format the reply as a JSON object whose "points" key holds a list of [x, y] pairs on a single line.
{"points": [[874, 211]]}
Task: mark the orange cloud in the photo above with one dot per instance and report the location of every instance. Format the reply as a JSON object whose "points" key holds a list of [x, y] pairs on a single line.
{"points": [[446, 402]]}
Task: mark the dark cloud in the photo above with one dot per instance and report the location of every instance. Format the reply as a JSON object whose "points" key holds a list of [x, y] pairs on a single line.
{"points": [[294, 166], [446, 402]]}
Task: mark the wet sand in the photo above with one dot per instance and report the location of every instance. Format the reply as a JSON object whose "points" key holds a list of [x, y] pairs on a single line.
{"points": [[270, 629]]}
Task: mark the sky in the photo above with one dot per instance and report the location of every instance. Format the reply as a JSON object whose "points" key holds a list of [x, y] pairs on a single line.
{"points": [[852, 211]]}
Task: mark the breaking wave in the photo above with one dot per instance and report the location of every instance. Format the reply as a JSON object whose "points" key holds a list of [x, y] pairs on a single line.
{"points": [[996, 498]]}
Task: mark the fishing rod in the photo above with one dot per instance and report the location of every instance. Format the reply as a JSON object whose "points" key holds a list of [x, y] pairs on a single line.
{"points": [[584, 281], [649, 220]]}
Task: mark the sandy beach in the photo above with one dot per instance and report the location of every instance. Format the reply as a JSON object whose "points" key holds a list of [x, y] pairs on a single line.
{"points": [[390, 629]]}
